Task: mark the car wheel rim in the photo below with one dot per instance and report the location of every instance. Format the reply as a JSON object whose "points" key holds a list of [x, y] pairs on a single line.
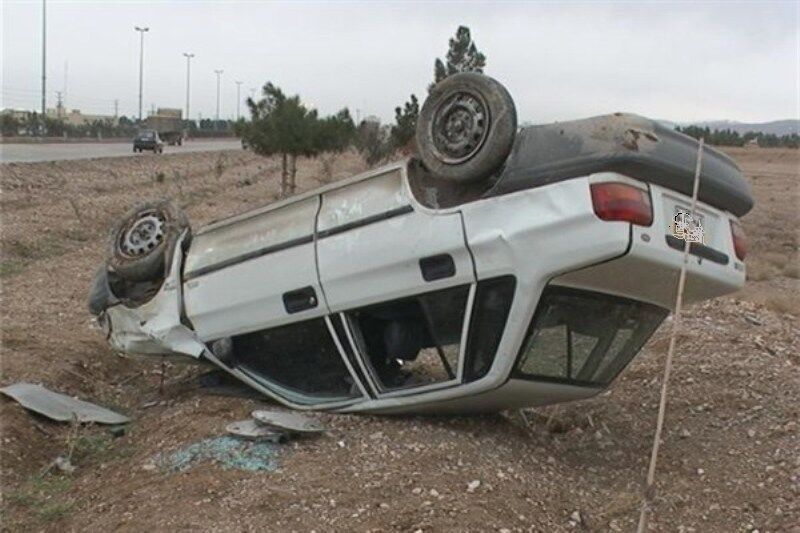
{"points": [[143, 235], [459, 127]]}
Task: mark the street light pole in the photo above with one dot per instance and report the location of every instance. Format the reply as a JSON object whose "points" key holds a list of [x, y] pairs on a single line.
{"points": [[141, 64], [238, 98], [188, 73], [219, 74], [44, 60]]}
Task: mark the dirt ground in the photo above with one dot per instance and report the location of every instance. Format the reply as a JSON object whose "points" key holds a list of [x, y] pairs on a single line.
{"points": [[730, 459]]}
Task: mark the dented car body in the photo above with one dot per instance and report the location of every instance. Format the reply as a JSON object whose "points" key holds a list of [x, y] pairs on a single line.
{"points": [[498, 268], [393, 292]]}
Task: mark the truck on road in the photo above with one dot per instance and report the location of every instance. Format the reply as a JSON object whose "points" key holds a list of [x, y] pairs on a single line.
{"points": [[168, 123]]}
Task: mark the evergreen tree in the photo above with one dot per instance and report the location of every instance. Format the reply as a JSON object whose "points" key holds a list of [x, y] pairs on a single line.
{"points": [[405, 123], [279, 125], [462, 56], [282, 125]]}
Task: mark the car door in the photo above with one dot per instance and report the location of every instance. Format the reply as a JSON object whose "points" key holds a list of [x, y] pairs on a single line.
{"points": [[254, 272], [398, 277]]}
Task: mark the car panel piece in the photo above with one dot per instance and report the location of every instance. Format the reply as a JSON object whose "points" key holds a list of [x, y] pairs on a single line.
{"points": [[293, 422], [251, 430], [60, 407]]}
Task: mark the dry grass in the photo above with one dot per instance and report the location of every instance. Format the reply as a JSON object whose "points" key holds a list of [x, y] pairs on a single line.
{"points": [[770, 265], [792, 269]]}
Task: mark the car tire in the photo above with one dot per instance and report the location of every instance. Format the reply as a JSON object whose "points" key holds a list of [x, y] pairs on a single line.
{"points": [[466, 128], [143, 238]]}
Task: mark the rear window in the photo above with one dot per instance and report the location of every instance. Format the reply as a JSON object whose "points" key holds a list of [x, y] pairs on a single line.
{"points": [[585, 338], [145, 136]]}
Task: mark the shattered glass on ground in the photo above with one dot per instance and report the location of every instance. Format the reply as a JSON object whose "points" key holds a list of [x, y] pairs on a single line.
{"points": [[227, 452]]}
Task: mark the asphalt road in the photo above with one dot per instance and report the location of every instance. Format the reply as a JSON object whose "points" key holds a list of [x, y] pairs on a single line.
{"points": [[33, 152]]}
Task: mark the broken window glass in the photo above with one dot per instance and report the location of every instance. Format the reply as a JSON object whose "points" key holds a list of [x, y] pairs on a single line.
{"points": [[301, 357], [413, 341], [583, 337]]}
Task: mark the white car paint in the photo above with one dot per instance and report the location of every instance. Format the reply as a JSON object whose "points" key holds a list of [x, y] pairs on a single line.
{"points": [[544, 235]]}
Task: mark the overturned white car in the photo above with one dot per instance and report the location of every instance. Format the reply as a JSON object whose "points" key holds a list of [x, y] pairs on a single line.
{"points": [[498, 269]]}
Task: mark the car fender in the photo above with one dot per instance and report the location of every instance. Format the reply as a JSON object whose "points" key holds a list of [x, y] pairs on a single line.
{"points": [[155, 327]]}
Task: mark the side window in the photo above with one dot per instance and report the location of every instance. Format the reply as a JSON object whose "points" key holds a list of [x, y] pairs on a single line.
{"points": [[301, 357], [490, 310], [584, 337], [413, 341]]}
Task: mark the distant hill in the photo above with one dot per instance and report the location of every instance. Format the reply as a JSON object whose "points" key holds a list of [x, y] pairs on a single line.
{"points": [[776, 127]]}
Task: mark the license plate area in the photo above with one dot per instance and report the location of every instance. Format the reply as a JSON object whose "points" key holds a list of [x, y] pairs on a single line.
{"points": [[701, 226]]}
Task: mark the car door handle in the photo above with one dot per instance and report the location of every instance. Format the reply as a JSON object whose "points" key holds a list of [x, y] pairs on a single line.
{"points": [[437, 267], [300, 300]]}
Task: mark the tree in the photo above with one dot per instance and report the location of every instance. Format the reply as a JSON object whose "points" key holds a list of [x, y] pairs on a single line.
{"points": [[279, 125], [462, 56], [10, 125], [405, 123], [283, 125], [373, 141], [334, 135]]}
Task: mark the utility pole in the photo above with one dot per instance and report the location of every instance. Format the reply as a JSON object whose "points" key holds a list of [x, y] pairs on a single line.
{"points": [[44, 62], [116, 108], [238, 98], [219, 74], [188, 57], [141, 64], [59, 104], [66, 71]]}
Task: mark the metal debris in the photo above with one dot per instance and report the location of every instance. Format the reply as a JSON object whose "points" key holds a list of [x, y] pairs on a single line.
{"points": [[295, 422], [250, 429], [60, 407]]}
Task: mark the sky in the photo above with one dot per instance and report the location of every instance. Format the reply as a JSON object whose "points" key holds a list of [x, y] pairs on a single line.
{"points": [[679, 61]]}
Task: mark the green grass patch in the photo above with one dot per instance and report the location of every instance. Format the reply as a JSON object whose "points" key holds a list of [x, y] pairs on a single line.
{"points": [[53, 511], [44, 497], [9, 267]]}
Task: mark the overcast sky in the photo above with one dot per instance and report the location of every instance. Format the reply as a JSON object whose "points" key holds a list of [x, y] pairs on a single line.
{"points": [[560, 60]]}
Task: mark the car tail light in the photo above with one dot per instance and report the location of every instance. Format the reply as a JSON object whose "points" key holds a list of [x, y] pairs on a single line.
{"points": [[620, 201], [739, 240]]}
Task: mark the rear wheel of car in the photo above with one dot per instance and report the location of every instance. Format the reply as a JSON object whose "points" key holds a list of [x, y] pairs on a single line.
{"points": [[143, 237], [466, 127]]}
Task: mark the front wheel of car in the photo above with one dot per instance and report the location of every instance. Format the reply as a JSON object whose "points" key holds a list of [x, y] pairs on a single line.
{"points": [[142, 239], [466, 127]]}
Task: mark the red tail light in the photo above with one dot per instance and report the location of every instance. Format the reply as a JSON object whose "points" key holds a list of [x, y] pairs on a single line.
{"points": [[739, 240], [620, 201]]}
